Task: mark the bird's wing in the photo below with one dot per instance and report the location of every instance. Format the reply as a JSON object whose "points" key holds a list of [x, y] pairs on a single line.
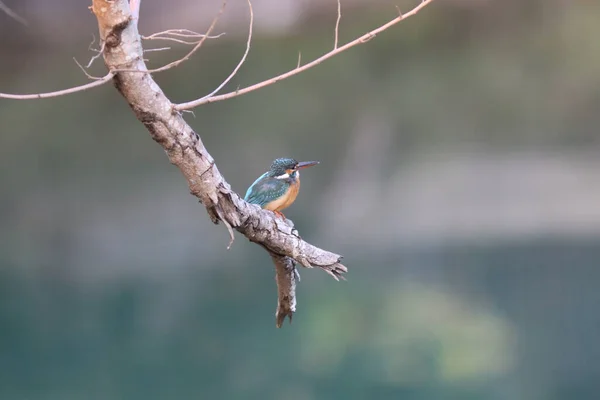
{"points": [[265, 189], [249, 191]]}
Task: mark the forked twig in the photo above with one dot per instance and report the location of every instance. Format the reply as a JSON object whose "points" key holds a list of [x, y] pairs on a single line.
{"points": [[188, 55], [85, 72], [180, 33], [186, 33], [98, 54]]}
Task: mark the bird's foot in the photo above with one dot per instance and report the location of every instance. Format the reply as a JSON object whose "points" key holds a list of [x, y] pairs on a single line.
{"points": [[279, 214]]}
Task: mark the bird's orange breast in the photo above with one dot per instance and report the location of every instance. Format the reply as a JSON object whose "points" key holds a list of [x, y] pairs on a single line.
{"points": [[287, 199]]}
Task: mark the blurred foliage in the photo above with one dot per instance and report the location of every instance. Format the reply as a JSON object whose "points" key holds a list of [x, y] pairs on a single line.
{"points": [[114, 284]]}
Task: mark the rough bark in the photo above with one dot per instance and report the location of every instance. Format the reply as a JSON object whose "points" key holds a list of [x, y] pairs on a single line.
{"points": [[286, 277], [184, 147]]}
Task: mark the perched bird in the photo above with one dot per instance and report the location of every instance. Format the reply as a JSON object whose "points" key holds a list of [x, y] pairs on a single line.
{"points": [[277, 188]]}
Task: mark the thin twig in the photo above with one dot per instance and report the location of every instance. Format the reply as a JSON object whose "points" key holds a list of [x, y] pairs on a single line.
{"points": [[181, 33], [228, 225], [362, 39], [158, 49], [188, 55], [176, 40], [98, 54], [173, 40], [12, 14], [95, 78], [92, 43], [337, 24], [242, 60], [58, 93], [299, 60]]}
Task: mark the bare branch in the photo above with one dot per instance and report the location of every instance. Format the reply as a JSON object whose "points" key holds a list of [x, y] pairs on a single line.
{"points": [[91, 46], [157, 49], [98, 80], [172, 40], [98, 54], [363, 39], [243, 59], [58, 93], [85, 72], [12, 14], [337, 23], [286, 277], [117, 20], [185, 149], [186, 33], [227, 225], [180, 33], [188, 55]]}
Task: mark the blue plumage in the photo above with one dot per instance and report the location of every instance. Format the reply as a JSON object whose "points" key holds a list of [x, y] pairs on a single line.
{"points": [[266, 189], [277, 188]]}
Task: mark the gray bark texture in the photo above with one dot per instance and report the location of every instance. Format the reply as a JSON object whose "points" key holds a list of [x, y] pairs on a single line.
{"points": [[123, 51]]}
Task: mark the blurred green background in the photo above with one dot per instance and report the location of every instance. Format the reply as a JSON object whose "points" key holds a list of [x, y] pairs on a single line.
{"points": [[459, 178]]}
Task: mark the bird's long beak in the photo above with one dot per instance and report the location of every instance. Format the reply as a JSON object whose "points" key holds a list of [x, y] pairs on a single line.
{"points": [[306, 164]]}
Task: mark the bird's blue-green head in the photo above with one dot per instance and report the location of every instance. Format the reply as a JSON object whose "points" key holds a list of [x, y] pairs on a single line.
{"points": [[288, 167]]}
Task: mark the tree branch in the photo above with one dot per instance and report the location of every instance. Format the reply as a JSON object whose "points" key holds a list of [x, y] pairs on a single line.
{"points": [[286, 277], [106, 78], [181, 33], [337, 24], [337, 50], [12, 14], [184, 58], [123, 53]]}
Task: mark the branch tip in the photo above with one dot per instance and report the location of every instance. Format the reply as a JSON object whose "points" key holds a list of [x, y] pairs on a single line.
{"points": [[337, 24], [227, 224], [13, 14]]}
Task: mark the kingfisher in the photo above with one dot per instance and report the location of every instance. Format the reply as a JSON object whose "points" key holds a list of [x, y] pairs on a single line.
{"points": [[277, 188]]}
